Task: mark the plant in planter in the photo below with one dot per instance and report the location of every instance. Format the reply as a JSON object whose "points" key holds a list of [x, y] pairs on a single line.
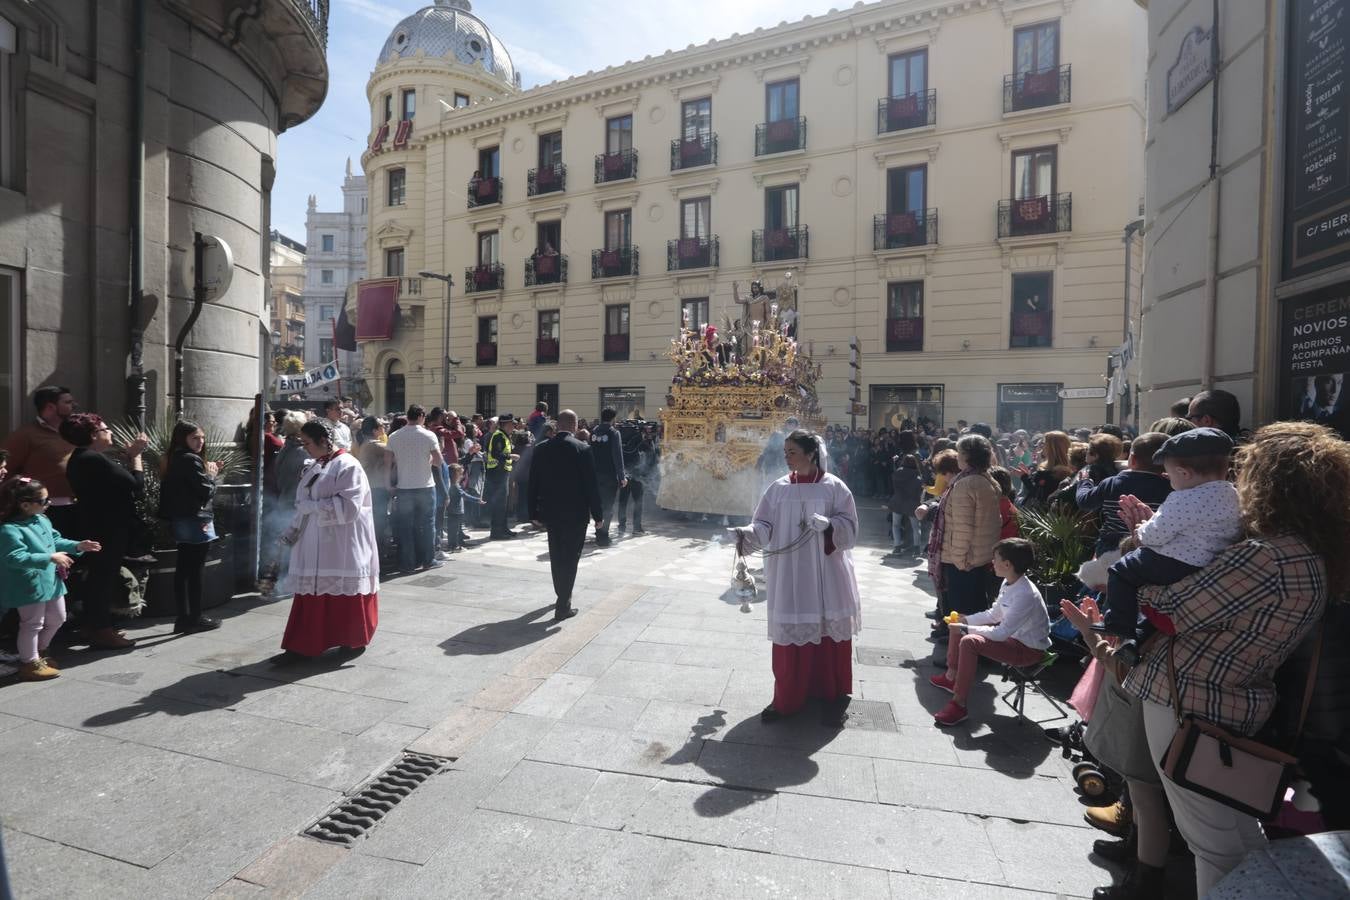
{"points": [[1063, 539]]}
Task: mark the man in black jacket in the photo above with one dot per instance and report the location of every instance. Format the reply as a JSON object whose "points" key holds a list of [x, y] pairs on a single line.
{"points": [[562, 492], [607, 452]]}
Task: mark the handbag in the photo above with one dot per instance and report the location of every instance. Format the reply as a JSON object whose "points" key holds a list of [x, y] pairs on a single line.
{"points": [[1115, 734], [1241, 773]]}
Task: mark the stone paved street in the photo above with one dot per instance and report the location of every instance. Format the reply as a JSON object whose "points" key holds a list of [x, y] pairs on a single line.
{"points": [[620, 755]]}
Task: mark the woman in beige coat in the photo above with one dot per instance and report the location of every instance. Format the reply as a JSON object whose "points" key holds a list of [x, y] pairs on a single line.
{"points": [[965, 530]]}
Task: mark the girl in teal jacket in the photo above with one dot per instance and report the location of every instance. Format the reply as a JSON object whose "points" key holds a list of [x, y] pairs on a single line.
{"points": [[33, 561]]}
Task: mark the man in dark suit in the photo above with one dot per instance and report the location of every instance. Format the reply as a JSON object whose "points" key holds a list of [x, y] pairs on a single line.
{"points": [[562, 492]]}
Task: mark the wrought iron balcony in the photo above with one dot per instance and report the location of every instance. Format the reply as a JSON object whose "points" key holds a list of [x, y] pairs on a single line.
{"points": [[780, 136], [546, 351], [904, 335], [545, 268], [691, 253], [1030, 90], [546, 180], [616, 166], [316, 12], [1047, 214], [687, 153], [894, 231], [616, 348], [619, 262], [485, 191], [777, 244], [484, 278], [486, 354], [910, 111]]}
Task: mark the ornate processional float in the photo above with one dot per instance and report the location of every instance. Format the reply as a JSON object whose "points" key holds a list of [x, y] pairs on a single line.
{"points": [[728, 397]]}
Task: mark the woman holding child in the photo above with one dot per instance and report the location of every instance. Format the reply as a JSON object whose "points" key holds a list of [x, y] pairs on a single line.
{"points": [[1230, 625]]}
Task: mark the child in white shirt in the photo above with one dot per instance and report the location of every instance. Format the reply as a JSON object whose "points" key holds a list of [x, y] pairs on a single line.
{"points": [[1197, 521], [1015, 630]]}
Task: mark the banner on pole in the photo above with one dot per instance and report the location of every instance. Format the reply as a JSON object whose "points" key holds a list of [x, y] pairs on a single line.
{"points": [[325, 374]]}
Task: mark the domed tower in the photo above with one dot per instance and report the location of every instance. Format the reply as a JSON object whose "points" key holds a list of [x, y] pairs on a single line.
{"points": [[437, 60]]}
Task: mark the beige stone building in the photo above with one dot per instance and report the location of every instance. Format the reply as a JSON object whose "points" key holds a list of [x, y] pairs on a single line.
{"points": [[949, 183], [1248, 207], [286, 302]]}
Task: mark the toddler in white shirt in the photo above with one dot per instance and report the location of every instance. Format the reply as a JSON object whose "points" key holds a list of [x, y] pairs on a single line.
{"points": [[1197, 521]]}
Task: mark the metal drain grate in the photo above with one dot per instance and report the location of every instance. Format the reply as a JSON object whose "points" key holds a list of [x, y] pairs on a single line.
{"points": [[356, 815], [871, 715]]}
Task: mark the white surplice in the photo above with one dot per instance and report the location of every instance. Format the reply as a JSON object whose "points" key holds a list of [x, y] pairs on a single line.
{"points": [[336, 553], [810, 595]]}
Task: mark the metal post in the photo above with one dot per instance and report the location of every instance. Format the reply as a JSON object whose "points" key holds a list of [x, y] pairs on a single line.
{"points": [[855, 382], [198, 298], [445, 345], [258, 449]]}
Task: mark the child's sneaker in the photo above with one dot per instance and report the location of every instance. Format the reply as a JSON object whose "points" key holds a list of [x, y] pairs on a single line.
{"points": [[942, 681], [952, 714], [37, 670]]}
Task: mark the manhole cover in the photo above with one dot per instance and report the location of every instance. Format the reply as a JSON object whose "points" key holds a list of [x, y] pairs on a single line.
{"points": [[874, 656], [356, 815], [871, 715], [431, 581]]}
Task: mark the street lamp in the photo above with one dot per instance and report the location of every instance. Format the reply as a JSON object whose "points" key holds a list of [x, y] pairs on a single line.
{"points": [[447, 362]]}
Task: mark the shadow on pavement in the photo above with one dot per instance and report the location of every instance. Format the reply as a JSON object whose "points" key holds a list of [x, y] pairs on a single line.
{"points": [[744, 776], [497, 637]]}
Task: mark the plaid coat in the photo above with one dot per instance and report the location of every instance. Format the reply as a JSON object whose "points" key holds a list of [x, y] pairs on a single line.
{"points": [[1237, 620]]}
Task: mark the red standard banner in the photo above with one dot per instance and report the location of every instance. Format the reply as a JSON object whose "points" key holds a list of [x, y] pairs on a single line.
{"points": [[376, 309]]}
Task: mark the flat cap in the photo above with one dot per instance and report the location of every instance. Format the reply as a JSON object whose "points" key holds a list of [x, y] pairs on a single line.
{"points": [[1196, 442], [505, 417]]}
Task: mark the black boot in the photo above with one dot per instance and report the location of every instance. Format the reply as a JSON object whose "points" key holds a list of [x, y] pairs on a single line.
{"points": [[1142, 883], [1121, 851], [563, 609]]}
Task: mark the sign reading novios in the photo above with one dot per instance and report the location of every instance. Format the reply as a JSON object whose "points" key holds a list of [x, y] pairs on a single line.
{"points": [[1193, 69]]}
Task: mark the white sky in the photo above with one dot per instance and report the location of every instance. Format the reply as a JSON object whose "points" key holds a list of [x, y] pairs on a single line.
{"points": [[547, 41]]}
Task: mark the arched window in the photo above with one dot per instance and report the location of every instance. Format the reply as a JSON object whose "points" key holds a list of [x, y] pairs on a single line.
{"points": [[395, 396]]}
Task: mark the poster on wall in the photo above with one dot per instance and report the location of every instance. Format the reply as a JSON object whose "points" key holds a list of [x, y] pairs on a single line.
{"points": [[1317, 137], [1315, 357]]}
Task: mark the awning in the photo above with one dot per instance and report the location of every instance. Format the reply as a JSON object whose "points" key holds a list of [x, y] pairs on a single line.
{"points": [[376, 309]]}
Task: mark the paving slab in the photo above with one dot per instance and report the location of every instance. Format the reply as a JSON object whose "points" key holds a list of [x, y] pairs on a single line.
{"points": [[613, 800], [541, 790], [697, 870], [366, 877], [553, 698], [708, 815]]}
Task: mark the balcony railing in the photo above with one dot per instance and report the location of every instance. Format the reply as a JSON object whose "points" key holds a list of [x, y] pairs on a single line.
{"points": [[485, 191], [904, 334], [316, 11], [484, 278], [894, 231], [545, 268], [410, 287], [1048, 214], [780, 136], [546, 180], [691, 253], [776, 244], [620, 262], [486, 354], [1031, 329], [616, 348], [690, 152], [910, 111], [1030, 90], [546, 351], [616, 166]]}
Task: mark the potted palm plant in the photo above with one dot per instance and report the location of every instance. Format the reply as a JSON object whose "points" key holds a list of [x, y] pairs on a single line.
{"points": [[157, 582], [1063, 539]]}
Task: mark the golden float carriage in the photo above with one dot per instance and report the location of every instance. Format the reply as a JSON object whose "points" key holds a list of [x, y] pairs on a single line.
{"points": [[727, 398]]}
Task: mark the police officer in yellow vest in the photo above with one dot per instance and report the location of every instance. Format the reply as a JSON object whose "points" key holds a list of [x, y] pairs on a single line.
{"points": [[499, 459]]}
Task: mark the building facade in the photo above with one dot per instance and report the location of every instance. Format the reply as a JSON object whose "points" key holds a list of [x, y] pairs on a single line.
{"points": [[1248, 207], [948, 185], [110, 160], [286, 291], [336, 261]]}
